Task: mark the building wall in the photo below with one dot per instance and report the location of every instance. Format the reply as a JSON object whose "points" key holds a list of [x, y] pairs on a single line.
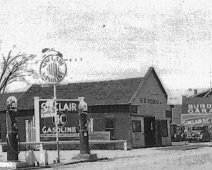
{"points": [[167, 140], [152, 101], [176, 114], [197, 111], [196, 101], [22, 127], [3, 126], [20, 123], [122, 124]]}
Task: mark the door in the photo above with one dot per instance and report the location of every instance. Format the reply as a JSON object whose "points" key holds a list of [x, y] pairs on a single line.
{"points": [[110, 126], [158, 137], [149, 131], [137, 132]]}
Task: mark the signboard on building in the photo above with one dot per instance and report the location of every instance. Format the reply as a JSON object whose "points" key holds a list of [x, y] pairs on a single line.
{"points": [[196, 112], [67, 119], [196, 119], [201, 108]]}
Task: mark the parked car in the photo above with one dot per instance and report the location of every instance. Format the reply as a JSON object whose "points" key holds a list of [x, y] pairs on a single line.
{"points": [[178, 135], [198, 134]]}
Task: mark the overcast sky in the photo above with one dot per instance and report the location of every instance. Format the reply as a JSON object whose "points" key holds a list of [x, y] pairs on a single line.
{"points": [[116, 38]]}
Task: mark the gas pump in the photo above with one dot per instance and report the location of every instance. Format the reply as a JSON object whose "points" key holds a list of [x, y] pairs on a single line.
{"points": [[12, 129], [83, 127]]}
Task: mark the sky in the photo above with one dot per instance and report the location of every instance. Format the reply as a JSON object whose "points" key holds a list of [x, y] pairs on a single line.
{"points": [[115, 39]]}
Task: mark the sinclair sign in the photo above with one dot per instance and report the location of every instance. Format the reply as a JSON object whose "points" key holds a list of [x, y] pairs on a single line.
{"points": [[196, 112], [67, 121], [196, 119], [53, 68]]}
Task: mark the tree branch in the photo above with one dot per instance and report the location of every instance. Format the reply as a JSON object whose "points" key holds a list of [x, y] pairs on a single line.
{"points": [[15, 69]]}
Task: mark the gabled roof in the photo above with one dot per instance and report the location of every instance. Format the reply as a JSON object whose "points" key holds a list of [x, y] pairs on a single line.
{"points": [[122, 91], [151, 70], [95, 93]]}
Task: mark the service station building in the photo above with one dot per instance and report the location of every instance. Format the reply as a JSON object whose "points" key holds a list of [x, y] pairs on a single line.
{"points": [[133, 109]]}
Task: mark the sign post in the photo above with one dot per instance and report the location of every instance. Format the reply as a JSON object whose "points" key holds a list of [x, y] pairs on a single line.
{"points": [[53, 69]]}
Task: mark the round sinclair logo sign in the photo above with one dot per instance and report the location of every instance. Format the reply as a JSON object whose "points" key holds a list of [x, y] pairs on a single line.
{"points": [[53, 68]]}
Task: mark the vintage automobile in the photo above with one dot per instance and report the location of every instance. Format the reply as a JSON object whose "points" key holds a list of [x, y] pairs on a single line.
{"points": [[178, 134], [198, 134]]}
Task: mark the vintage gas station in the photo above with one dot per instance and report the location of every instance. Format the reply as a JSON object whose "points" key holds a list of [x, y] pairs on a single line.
{"points": [[48, 112], [122, 114]]}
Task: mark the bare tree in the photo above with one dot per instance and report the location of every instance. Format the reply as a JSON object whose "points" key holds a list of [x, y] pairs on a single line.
{"points": [[15, 68]]}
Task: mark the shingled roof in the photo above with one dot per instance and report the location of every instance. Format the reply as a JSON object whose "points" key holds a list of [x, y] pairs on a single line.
{"points": [[122, 91], [95, 93]]}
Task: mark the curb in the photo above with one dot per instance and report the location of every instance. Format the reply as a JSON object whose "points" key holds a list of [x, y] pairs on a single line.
{"points": [[79, 161], [63, 164]]}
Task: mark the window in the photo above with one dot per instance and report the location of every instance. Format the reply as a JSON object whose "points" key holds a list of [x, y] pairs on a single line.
{"points": [[133, 109], [90, 125], [164, 128], [168, 113], [136, 126], [109, 126]]}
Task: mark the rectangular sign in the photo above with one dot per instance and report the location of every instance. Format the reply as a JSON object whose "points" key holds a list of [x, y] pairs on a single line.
{"points": [[196, 119], [47, 107], [67, 135], [67, 119], [200, 108], [149, 101]]}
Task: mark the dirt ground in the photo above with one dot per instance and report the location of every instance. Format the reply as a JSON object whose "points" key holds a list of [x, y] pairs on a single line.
{"points": [[179, 156]]}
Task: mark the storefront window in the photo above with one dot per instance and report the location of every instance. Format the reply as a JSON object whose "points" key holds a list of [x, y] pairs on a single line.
{"points": [[90, 125], [109, 126], [136, 126], [164, 128]]}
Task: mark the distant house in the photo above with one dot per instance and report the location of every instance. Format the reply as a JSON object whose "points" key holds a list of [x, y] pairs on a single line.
{"points": [[134, 109]]}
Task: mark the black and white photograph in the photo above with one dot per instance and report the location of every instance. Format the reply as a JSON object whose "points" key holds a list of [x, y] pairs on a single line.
{"points": [[106, 84]]}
